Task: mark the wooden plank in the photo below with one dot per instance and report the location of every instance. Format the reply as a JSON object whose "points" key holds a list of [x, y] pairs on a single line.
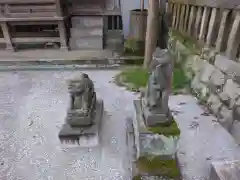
{"points": [[26, 1], [35, 39], [32, 19]]}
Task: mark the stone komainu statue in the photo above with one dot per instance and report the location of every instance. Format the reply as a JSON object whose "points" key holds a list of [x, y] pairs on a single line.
{"points": [[83, 101], [154, 103]]}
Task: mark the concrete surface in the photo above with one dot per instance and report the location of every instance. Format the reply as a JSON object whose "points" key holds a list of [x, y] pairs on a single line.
{"points": [[203, 140], [33, 108]]}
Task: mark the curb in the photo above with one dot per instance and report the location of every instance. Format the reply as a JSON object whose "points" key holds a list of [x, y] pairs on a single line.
{"points": [[58, 67], [106, 61]]}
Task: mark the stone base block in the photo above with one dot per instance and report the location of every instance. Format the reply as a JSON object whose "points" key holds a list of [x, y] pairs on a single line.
{"points": [[225, 170], [69, 133], [155, 119], [147, 142], [76, 119]]}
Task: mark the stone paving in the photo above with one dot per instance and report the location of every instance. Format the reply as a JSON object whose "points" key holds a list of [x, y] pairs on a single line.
{"points": [[33, 108]]}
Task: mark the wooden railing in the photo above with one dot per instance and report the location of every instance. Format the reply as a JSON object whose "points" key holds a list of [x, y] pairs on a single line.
{"points": [[213, 26]]}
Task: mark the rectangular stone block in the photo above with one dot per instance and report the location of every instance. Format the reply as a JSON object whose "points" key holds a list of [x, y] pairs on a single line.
{"points": [[228, 66], [68, 132], [206, 73], [225, 170], [84, 32], [214, 104], [87, 21], [91, 42], [232, 91]]}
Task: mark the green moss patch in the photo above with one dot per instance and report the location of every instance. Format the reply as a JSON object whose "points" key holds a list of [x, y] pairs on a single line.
{"points": [[180, 80], [166, 130], [136, 77], [157, 167], [133, 47], [133, 78]]}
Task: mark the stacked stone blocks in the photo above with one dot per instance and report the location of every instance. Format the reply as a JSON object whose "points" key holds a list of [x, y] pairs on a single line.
{"points": [[215, 80]]}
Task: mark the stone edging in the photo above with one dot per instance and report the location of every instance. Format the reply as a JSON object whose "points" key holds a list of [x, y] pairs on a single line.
{"points": [[215, 80]]}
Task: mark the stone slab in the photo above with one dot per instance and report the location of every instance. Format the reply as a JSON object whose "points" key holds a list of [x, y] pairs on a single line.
{"points": [[87, 21], [228, 66], [91, 42], [72, 132], [84, 32], [225, 170]]}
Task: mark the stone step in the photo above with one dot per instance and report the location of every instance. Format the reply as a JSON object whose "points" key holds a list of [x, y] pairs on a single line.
{"points": [[84, 32], [91, 42], [87, 21]]}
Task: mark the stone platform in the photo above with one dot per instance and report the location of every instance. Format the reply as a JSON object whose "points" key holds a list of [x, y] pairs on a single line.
{"points": [[146, 142], [84, 135], [225, 170]]}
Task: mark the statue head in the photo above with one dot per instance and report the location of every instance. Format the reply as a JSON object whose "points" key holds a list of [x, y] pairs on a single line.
{"points": [[160, 57]]}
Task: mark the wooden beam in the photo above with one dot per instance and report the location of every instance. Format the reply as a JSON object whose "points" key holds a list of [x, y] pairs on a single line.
{"points": [[233, 40], [204, 23], [211, 26], [152, 31], [7, 36], [222, 29]]}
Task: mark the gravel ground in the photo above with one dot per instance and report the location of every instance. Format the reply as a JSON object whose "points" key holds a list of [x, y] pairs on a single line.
{"points": [[202, 140], [33, 108]]}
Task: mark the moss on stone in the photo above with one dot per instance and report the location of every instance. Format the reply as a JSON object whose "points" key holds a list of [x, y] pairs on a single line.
{"points": [[167, 130], [138, 177], [192, 44], [158, 167]]}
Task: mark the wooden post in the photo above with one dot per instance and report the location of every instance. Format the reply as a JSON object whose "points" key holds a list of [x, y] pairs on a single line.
{"points": [[233, 40], [62, 33], [186, 17], [222, 29], [198, 22], [191, 20], [152, 31], [211, 26], [203, 27], [58, 7], [7, 36]]}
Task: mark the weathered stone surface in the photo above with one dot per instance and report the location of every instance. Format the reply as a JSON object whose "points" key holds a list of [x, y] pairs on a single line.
{"points": [[208, 54], [206, 73], [232, 90], [214, 103], [199, 88], [231, 68], [158, 145], [226, 118], [235, 131], [217, 78], [224, 98], [193, 65], [236, 113], [225, 170]]}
